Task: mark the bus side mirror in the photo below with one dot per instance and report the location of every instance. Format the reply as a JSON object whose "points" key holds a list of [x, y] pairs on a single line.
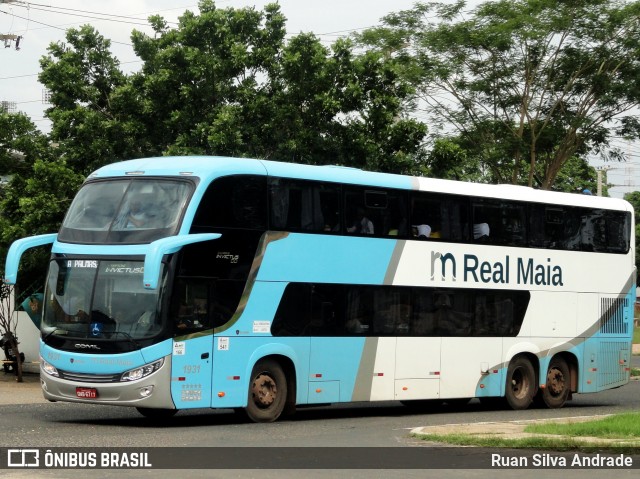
{"points": [[18, 248], [157, 249]]}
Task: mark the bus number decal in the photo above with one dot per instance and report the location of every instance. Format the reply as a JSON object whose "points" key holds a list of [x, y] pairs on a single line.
{"points": [[178, 348], [223, 344]]}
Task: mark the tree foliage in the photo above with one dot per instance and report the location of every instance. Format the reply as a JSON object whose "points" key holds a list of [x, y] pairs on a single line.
{"points": [[531, 83], [225, 81]]}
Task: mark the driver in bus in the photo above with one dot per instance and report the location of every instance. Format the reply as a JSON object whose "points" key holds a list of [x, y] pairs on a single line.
{"points": [[137, 215]]}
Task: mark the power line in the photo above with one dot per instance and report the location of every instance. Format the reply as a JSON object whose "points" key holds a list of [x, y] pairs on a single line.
{"points": [[116, 18], [53, 26]]}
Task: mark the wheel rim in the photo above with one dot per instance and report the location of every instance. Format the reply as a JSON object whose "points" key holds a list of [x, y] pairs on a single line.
{"points": [[264, 391], [555, 382], [519, 384]]}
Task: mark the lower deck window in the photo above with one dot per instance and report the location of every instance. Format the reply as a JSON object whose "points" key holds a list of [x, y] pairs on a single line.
{"points": [[357, 310]]}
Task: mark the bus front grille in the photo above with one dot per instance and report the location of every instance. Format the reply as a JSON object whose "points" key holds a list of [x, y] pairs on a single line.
{"points": [[89, 378]]}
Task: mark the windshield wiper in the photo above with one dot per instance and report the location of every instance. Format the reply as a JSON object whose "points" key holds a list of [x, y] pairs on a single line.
{"points": [[128, 336], [54, 330]]}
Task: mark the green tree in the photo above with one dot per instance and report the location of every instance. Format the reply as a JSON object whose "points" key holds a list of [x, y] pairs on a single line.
{"points": [[37, 193], [92, 123], [20, 143], [556, 75], [226, 82]]}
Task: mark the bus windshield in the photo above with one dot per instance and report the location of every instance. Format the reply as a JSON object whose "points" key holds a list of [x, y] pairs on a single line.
{"points": [[131, 210], [99, 299]]}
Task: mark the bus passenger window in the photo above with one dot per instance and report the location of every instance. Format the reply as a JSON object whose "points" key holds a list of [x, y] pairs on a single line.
{"points": [[359, 311]]}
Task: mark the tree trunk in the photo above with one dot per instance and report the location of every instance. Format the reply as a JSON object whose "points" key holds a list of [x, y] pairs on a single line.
{"points": [[13, 342]]}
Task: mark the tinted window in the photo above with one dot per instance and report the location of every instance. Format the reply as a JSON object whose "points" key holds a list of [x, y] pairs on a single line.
{"points": [[348, 310], [304, 206], [499, 222], [435, 216], [375, 212], [234, 202]]}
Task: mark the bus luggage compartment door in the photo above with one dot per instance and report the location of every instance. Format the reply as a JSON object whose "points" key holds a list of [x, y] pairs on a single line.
{"points": [[417, 368]]}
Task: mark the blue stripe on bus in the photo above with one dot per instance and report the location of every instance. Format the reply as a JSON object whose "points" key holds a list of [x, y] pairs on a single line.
{"points": [[349, 260]]}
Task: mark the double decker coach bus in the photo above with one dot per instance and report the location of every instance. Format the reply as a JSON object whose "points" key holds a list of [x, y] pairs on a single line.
{"points": [[210, 282]]}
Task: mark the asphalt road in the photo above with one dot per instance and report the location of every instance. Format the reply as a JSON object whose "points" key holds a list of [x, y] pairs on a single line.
{"points": [[29, 421]]}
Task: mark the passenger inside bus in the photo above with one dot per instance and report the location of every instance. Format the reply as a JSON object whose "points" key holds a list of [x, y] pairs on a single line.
{"points": [[362, 225], [480, 231], [422, 231]]}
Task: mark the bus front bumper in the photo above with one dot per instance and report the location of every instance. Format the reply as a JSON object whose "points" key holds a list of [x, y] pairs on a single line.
{"points": [[153, 391]]}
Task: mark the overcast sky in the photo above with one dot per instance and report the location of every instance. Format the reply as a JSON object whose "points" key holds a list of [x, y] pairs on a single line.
{"points": [[39, 25]]}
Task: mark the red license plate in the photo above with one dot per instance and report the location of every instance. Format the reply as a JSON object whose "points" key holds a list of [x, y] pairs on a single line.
{"points": [[87, 393]]}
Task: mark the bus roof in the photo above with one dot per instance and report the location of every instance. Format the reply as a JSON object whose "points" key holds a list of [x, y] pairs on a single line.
{"points": [[207, 168]]}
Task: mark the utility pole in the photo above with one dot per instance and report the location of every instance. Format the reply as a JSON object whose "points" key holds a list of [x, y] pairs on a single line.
{"points": [[8, 38], [599, 173]]}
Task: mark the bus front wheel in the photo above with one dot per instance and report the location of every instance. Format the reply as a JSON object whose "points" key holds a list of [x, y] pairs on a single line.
{"points": [[521, 383], [556, 390], [267, 392]]}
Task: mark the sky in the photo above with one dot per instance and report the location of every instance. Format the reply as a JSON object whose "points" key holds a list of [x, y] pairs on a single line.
{"points": [[45, 21]]}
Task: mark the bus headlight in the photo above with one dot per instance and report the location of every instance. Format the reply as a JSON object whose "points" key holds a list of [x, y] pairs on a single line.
{"points": [[48, 368], [142, 371]]}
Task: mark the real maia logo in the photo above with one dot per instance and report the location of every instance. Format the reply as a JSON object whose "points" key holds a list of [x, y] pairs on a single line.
{"points": [[525, 270]]}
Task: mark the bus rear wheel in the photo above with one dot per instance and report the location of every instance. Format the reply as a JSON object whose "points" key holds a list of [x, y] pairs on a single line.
{"points": [[556, 390], [267, 392], [521, 383]]}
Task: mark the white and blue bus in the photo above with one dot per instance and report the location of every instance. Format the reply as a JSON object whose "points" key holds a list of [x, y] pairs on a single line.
{"points": [[210, 282]]}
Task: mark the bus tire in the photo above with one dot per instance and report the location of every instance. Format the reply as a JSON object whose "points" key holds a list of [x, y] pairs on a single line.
{"points": [[267, 392], [521, 383], [153, 413], [558, 384]]}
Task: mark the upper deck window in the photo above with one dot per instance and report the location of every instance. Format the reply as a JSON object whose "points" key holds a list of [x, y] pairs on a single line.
{"points": [[137, 210]]}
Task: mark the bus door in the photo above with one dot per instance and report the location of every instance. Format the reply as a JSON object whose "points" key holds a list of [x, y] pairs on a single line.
{"points": [[192, 356], [191, 372]]}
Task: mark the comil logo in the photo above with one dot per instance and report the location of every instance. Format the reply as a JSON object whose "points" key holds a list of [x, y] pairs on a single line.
{"points": [[23, 458]]}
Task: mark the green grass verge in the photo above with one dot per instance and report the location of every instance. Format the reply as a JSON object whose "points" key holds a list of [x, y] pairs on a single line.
{"points": [[619, 426], [636, 336], [624, 427]]}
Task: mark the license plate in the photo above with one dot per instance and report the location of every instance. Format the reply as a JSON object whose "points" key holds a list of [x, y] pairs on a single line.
{"points": [[87, 393]]}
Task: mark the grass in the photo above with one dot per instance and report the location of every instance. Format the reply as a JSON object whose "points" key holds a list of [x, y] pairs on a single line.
{"points": [[636, 336], [558, 444], [620, 426], [560, 436]]}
